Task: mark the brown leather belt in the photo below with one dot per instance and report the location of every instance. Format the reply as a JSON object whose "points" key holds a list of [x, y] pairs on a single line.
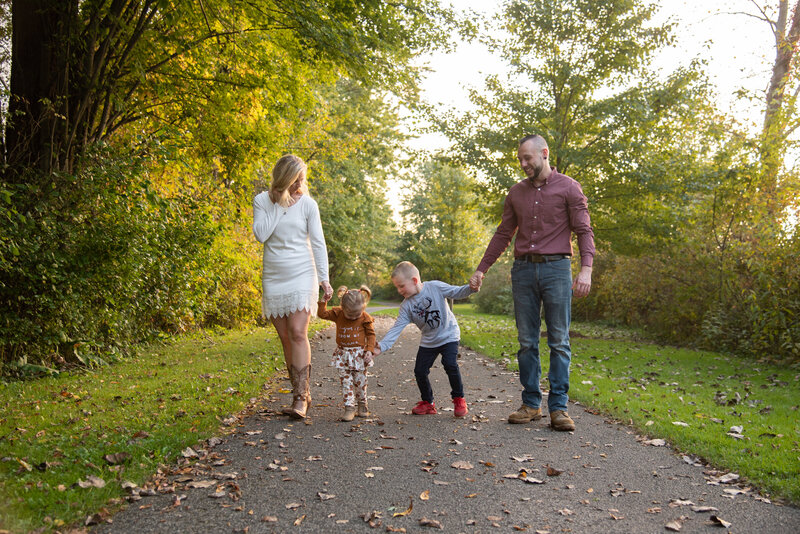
{"points": [[541, 258]]}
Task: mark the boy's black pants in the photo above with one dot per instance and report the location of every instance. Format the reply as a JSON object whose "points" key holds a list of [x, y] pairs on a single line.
{"points": [[426, 356]]}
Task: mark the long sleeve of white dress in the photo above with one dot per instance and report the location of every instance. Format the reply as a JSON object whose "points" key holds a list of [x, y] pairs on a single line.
{"points": [[265, 217], [317, 240]]}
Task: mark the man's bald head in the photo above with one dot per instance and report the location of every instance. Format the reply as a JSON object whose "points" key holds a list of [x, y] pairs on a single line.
{"points": [[538, 141]]}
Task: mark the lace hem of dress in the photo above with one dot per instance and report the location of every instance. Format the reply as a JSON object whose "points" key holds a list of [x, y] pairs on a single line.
{"points": [[283, 305]]}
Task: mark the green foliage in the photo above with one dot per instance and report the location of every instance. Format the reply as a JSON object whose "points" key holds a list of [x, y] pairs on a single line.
{"points": [[579, 76], [495, 296], [356, 154], [444, 236], [97, 260], [650, 386]]}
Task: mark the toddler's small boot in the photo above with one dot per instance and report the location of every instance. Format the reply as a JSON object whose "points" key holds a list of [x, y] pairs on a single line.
{"points": [[363, 409], [460, 407], [349, 413]]}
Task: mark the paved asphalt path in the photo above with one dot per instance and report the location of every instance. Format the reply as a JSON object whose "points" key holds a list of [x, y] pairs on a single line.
{"points": [[273, 474]]}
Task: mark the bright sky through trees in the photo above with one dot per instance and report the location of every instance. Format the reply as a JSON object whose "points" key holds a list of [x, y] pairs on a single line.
{"points": [[738, 50]]}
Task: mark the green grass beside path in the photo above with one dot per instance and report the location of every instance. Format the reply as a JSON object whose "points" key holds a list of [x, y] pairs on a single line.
{"points": [[690, 398], [56, 432]]}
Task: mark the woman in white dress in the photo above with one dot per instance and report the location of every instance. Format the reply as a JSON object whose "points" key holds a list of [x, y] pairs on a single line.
{"points": [[286, 219]]}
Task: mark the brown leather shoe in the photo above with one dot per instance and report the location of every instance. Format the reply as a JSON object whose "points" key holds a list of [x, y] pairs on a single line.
{"points": [[560, 420], [525, 414]]}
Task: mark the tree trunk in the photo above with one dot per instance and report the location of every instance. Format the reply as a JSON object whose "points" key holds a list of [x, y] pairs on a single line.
{"points": [[39, 77], [778, 108]]}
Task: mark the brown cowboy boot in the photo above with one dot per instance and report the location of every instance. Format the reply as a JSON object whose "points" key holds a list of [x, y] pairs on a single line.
{"points": [[288, 409], [300, 391]]}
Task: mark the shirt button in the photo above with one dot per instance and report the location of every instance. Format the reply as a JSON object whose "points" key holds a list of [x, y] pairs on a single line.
{"points": [[536, 202]]}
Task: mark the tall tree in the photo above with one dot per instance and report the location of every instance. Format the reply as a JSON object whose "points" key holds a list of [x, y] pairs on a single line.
{"points": [[444, 233], [780, 111], [94, 66], [579, 77]]}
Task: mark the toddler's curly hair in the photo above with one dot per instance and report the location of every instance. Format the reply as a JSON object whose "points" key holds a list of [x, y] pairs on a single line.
{"points": [[354, 300]]}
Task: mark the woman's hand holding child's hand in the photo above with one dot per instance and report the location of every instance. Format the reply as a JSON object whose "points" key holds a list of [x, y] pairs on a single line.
{"points": [[327, 290]]}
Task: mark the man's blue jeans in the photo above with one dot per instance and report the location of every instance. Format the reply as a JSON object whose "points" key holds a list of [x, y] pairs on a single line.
{"points": [[550, 285]]}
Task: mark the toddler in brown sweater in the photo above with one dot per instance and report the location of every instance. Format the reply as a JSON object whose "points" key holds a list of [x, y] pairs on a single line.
{"points": [[355, 344]]}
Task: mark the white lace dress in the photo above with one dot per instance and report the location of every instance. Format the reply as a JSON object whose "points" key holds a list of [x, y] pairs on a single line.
{"points": [[295, 256]]}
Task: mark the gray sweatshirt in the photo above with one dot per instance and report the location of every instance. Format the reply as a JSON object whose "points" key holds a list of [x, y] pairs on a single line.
{"points": [[429, 311]]}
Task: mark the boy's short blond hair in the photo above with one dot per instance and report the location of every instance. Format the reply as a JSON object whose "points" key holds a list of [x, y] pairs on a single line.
{"points": [[406, 270]]}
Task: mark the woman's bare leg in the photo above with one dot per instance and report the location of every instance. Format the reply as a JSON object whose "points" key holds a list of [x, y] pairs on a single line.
{"points": [[300, 348]]}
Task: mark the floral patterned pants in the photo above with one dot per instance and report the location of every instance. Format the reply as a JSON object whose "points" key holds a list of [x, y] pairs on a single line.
{"points": [[354, 386]]}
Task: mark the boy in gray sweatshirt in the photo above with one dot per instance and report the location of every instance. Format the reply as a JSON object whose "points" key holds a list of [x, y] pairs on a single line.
{"points": [[424, 305]]}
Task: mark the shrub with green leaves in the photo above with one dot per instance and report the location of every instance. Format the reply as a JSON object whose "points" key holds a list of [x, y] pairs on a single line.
{"points": [[97, 260]]}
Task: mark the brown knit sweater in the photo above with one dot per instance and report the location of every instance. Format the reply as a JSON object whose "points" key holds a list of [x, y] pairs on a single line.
{"points": [[349, 334]]}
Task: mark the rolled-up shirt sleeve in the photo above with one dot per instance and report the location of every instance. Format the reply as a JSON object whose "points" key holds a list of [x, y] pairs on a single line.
{"points": [[581, 225], [502, 236]]}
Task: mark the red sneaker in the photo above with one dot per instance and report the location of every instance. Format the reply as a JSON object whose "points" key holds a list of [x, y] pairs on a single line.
{"points": [[460, 405], [424, 408]]}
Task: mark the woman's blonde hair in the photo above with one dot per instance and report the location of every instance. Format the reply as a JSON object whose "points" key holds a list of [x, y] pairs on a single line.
{"points": [[354, 300], [285, 173]]}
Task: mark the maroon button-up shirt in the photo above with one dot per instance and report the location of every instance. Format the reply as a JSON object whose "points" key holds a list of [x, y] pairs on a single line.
{"points": [[544, 218]]}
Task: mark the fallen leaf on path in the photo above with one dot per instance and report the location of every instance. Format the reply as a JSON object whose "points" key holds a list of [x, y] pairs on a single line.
{"points": [[201, 484], [373, 519], [375, 468], [462, 464], [425, 522], [526, 458], [655, 442], [325, 496], [674, 526], [701, 509], [566, 511], [471, 496], [408, 511], [299, 520], [735, 491], [218, 494], [441, 483], [293, 506], [390, 528], [189, 452], [551, 472], [674, 503], [718, 521], [369, 475], [425, 495], [269, 519]]}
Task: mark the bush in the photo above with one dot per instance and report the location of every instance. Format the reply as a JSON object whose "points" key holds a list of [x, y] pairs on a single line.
{"points": [[95, 261], [495, 294]]}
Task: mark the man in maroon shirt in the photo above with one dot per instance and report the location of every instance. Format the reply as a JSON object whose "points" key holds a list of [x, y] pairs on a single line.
{"points": [[544, 210]]}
